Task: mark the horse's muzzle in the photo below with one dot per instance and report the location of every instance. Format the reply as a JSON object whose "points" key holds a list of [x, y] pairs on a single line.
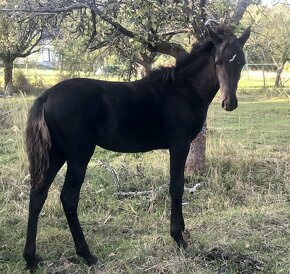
{"points": [[229, 105]]}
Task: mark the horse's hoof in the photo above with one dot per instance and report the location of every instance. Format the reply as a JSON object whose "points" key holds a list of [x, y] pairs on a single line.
{"points": [[32, 264], [182, 244], [91, 260]]}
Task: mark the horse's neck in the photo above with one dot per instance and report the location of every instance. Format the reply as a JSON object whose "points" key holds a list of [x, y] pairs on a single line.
{"points": [[201, 78]]}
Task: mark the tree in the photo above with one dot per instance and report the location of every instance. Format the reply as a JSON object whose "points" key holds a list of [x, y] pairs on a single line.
{"points": [[272, 35], [72, 56], [20, 36]]}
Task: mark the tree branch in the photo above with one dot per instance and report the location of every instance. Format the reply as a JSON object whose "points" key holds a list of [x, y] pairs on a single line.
{"points": [[174, 32], [48, 10], [116, 25], [241, 7], [173, 49]]}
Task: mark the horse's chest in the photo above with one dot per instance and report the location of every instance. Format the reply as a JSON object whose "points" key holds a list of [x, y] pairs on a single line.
{"points": [[197, 124]]}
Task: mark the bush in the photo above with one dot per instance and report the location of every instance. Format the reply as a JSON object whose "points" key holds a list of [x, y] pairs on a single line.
{"points": [[39, 82], [21, 82], [287, 67]]}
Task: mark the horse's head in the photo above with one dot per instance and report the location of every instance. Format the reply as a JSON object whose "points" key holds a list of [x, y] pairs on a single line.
{"points": [[229, 61]]}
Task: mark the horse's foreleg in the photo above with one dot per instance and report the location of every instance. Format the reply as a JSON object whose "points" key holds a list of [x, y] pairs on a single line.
{"points": [[70, 198], [177, 162], [37, 199]]}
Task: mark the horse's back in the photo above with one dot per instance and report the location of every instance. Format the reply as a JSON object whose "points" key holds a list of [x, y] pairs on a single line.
{"points": [[117, 116]]}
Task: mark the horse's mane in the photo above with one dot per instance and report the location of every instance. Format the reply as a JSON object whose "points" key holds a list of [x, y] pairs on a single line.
{"points": [[167, 74], [164, 73], [199, 49], [205, 46]]}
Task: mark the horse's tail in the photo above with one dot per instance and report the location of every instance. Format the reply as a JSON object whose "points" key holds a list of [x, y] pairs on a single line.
{"points": [[38, 143]]}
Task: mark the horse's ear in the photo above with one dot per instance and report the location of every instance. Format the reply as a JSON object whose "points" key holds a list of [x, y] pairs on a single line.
{"points": [[244, 37], [214, 37]]}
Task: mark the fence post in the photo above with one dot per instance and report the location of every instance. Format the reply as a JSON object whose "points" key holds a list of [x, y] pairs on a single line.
{"points": [[263, 68], [264, 79]]}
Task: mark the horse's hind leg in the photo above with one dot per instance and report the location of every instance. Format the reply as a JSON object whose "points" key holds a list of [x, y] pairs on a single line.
{"points": [[76, 170], [37, 199]]}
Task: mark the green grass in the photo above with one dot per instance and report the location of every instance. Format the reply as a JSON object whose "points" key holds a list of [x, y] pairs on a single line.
{"points": [[252, 123], [44, 78], [242, 207]]}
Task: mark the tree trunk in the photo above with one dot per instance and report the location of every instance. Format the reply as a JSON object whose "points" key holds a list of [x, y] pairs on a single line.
{"points": [[8, 72], [146, 69], [146, 61], [278, 80], [196, 157], [239, 12]]}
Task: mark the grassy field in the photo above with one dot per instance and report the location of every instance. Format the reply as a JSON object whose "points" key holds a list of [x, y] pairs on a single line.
{"points": [[237, 222], [44, 78]]}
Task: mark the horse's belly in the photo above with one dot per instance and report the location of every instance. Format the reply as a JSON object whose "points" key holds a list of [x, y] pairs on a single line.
{"points": [[131, 144]]}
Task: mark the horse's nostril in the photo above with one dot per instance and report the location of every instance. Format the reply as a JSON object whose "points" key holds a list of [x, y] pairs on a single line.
{"points": [[224, 103], [229, 105]]}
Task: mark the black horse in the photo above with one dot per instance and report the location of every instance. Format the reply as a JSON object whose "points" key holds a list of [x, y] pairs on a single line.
{"points": [[165, 110]]}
